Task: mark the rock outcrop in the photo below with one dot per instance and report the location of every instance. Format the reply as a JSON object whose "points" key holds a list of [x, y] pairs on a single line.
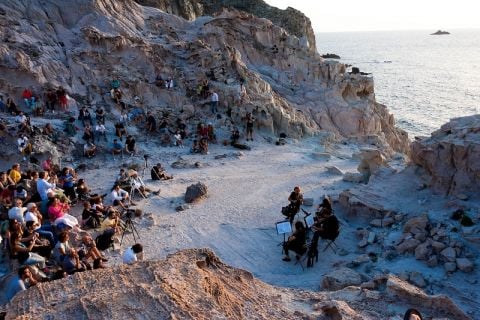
{"points": [[290, 89], [195, 284], [451, 156]]}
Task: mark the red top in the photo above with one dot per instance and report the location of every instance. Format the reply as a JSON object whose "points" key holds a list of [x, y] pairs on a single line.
{"points": [[27, 94]]}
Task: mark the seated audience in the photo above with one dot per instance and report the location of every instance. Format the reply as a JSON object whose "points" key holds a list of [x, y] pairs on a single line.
{"points": [[158, 173], [117, 148], [19, 282], [89, 150]]}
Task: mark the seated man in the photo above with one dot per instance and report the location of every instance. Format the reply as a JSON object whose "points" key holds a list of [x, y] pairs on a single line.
{"points": [[122, 178], [296, 242], [158, 173], [90, 216], [89, 250], [24, 146], [195, 147], [117, 148], [89, 150], [120, 130], [119, 197], [112, 221]]}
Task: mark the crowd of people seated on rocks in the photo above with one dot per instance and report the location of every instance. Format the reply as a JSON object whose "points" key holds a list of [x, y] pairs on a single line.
{"points": [[39, 232]]}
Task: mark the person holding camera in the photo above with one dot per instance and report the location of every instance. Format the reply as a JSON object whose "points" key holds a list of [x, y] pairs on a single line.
{"points": [[296, 200], [296, 242]]}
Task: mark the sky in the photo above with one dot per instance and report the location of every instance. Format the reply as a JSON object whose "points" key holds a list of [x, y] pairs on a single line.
{"points": [[376, 15]]}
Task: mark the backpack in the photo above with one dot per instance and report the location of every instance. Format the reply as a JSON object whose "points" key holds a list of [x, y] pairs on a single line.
{"points": [[105, 240]]}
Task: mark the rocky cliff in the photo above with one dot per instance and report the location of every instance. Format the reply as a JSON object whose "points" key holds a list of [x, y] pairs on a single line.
{"points": [[294, 21], [451, 156], [195, 284], [289, 88]]}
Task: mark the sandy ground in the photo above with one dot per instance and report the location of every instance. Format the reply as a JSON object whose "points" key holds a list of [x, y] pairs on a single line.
{"points": [[237, 220]]}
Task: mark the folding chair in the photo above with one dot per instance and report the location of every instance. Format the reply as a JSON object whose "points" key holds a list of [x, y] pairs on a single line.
{"points": [[134, 187], [331, 242]]}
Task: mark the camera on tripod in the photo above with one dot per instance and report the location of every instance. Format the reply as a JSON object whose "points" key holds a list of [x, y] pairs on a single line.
{"points": [[146, 156]]}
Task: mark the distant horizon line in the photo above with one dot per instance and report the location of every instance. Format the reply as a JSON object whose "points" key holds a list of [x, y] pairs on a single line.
{"points": [[390, 30]]}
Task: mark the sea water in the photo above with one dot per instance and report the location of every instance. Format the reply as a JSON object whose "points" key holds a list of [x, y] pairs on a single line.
{"points": [[425, 80]]}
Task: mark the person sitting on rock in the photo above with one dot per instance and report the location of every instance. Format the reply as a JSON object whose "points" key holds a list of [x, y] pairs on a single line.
{"points": [[100, 131], [50, 100], [178, 139], [15, 173], [195, 147], [12, 107], [89, 150], [116, 95], [133, 254], [50, 132], [158, 173], [29, 98], [120, 197], [204, 146], [117, 148], [112, 221], [100, 115], [88, 134], [82, 190], [235, 136], [296, 242], [24, 146], [90, 216], [85, 116], [159, 82], [70, 128], [62, 98], [151, 123], [89, 250], [130, 146], [120, 130], [211, 133]]}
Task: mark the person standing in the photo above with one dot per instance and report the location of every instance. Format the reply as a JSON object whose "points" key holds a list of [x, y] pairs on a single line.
{"points": [[214, 102], [296, 200], [250, 120]]}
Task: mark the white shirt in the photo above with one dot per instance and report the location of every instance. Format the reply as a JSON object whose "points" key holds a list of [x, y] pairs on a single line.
{"points": [[17, 214], [118, 195], [129, 257], [22, 143], [214, 97], [21, 118], [100, 128], [43, 187]]}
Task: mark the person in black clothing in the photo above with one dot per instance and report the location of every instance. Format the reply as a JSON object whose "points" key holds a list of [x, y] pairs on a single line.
{"points": [[85, 116], [158, 173], [151, 123], [296, 242], [130, 145], [90, 217], [296, 200], [249, 123], [100, 115], [326, 225]]}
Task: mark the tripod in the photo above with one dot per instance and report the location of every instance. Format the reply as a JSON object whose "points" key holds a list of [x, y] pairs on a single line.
{"points": [[129, 226]]}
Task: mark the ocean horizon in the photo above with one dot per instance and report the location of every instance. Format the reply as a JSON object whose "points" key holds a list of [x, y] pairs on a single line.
{"points": [[423, 79]]}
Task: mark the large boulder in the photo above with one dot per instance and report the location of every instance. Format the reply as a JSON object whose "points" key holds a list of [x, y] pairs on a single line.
{"points": [[451, 156], [196, 192], [341, 278]]}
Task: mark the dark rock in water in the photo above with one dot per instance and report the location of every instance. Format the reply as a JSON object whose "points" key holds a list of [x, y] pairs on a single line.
{"points": [[330, 56], [195, 192], [440, 33]]}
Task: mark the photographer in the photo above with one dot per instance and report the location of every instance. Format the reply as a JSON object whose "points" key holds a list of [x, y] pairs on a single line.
{"points": [[296, 200], [296, 242]]}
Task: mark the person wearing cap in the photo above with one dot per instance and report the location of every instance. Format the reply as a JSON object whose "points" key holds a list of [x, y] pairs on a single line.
{"points": [[17, 211]]}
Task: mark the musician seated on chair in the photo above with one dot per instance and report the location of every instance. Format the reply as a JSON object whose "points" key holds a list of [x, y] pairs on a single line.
{"points": [[326, 225], [296, 242]]}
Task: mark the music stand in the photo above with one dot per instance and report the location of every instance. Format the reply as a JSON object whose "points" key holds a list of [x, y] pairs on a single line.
{"points": [[283, 227]]}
